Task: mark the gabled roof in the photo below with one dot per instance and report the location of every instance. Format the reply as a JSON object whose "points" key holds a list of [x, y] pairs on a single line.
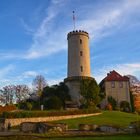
{"points": [[114, 76]]}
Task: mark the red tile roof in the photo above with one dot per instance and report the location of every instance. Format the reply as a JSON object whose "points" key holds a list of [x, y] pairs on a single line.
{"points": [[114, 76]]}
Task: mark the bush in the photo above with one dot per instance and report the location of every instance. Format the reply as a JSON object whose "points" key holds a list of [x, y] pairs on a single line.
{"points": [[29, 105], [112, 101], [109, 107], [124, 105], [30, 114], [54, 103]]}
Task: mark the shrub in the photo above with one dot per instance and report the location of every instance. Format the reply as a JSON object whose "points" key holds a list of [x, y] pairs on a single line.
{"points": [[29, 105], [30, 114], [109, 107], [54, 103], [112, 101], [124, 105]]}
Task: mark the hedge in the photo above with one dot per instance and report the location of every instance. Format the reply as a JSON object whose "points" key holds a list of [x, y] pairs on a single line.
{"points": [[31, 114]]}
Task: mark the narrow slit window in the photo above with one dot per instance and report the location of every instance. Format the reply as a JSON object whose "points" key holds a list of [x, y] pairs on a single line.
{"points": [[80, 41], [81, 53], [81, 68]]}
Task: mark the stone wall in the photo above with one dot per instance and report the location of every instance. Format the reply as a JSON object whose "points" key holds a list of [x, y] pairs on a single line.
{"points": [[18, 121]]}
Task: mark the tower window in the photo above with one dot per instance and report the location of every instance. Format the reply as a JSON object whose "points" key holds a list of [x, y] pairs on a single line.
{"points": [[81, 68], [80, 41], [81, 53]]}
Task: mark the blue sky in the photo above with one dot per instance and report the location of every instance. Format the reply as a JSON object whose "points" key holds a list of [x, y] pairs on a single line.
{"points": [[33, 37]]}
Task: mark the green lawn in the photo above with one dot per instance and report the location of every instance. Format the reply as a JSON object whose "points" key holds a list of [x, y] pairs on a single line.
{"points": [[115, 118]]}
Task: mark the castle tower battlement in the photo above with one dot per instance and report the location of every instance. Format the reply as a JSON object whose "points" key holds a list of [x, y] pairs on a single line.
{"points": [[79, 32]]}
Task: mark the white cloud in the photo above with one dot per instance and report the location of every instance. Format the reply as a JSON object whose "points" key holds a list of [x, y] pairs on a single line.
{"points": [[29, 74], [110, 18], [45, 40], [123, 69], [99, 23], [6, 70]]}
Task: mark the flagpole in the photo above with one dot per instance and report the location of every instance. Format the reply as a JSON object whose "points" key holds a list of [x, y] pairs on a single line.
{"points": [[74, 20]]}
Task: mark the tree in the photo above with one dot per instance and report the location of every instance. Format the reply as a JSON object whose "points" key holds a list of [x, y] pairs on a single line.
{"points": [[22, 92], [8, 94], [60, 91], [54, 103], [89, 89], [39, 83], [132, 102], [29, 106], [137, 103]]}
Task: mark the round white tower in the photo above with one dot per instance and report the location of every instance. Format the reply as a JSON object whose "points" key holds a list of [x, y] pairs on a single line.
{"points": [[78, 62], [78, 54]]}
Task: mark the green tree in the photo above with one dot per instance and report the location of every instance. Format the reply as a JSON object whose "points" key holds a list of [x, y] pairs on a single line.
{"points": [[89, 89], [132, 102], [29, 106], [60, 91], [54, 103]]}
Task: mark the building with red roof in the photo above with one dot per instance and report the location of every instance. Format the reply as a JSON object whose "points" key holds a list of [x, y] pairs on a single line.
{"points": [[116, 86]]}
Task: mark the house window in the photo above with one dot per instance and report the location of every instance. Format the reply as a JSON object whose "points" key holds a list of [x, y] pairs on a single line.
{"points": [[121, 84], [80, 41], [81, 53], [81, 68], [113, 84]]}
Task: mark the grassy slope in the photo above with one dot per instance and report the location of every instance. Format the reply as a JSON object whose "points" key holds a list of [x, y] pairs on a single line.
{"points": [[115, 118]]}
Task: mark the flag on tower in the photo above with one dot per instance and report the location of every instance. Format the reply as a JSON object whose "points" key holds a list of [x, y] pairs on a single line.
{"points": [[73, 15], [74, 19]]}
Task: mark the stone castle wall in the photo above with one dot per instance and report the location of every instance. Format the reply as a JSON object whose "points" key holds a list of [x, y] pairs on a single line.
{"points": [[18, 121]]}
